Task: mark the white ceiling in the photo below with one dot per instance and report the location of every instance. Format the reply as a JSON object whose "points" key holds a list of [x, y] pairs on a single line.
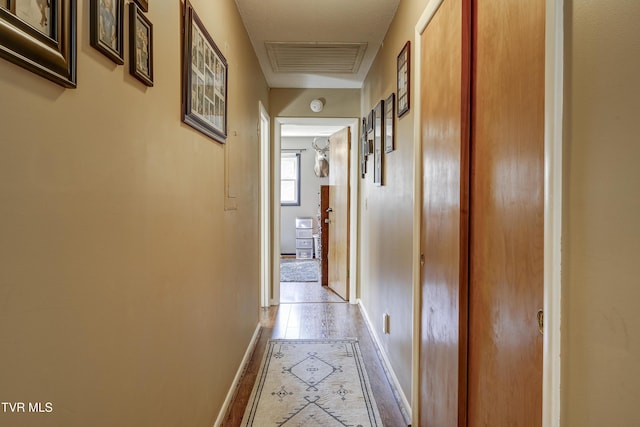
{"points": [[332, 30]]}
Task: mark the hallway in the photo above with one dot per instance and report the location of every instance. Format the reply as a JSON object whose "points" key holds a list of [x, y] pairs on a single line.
{"points": [[306, 320]]}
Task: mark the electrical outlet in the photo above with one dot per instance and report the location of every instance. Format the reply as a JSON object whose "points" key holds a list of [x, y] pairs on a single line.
{"points": [[385, 323]]}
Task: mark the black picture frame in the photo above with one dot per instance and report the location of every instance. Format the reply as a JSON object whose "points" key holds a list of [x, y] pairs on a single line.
{"points": [[378, 132], [44, 45], [140, 45], [204, 79], [404, 79], [364, 147], [389, 123], [143, 5], [107, 28]]}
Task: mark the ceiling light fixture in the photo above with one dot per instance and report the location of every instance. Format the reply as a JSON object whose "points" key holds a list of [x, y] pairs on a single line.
{"points": [[316, 105]]}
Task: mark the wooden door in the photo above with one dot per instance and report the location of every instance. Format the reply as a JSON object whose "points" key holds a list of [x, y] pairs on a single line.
{"points": [[324, 235], [444, 94], [506, 232], [339, 213], [482, 96]]}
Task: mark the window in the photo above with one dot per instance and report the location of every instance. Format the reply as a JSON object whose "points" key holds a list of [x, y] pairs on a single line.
{"points": [[290, 179]]}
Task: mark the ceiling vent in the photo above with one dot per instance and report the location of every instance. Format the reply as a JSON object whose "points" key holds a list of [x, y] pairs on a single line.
{"points": [[314, 57]]}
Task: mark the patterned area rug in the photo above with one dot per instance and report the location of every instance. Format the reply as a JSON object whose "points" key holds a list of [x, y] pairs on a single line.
{"points": [[312, 383], [295, 270]]}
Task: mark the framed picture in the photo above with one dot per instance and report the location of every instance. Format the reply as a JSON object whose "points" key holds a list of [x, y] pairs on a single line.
{"points": [[40, 36], [389, 118], [143, 4], [140, 46], [378, 132], [107, 35], [404, 79], [364, 147], [204, 80]]}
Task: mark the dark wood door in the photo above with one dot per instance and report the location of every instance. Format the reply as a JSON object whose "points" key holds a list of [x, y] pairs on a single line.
{"points": [[444, 95], [507, 225], [324, 234]]}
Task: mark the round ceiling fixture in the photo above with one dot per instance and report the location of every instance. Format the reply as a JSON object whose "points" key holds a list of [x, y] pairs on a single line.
{"points": [[316, 105]]}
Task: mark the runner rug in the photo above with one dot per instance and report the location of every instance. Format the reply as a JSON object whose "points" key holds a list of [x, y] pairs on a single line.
{"points": [[312, 383]]}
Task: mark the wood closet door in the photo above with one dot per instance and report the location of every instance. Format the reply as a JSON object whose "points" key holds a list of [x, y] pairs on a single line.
{"points": [[444, 95], [506, 232]]}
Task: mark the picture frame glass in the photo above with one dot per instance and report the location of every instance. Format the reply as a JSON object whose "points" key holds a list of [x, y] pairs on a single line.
{"points": [[377, 143], [36, 13], [389, 110], [143, 37], [108, 23], [208, 85]]}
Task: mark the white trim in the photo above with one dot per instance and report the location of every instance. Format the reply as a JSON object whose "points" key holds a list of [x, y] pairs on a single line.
{"points": [[265, 205], [275, 212], [236, 380], [354, 166], [429, 12], [554, 88], [405, 407]]}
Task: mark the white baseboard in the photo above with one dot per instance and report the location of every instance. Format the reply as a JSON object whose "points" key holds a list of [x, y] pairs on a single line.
{"points": [[403, 403], [236, 380]]}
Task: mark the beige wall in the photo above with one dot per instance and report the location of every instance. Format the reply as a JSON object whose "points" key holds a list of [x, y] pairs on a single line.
{"points": [[295, 102], [601, 319], [387, 212], [128, 295]]}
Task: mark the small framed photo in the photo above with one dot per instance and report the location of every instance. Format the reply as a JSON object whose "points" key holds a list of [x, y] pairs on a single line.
{"points": [[140, 46], [378, 132], [107, 35], [143, 4], [204, 79], [364, 147], [404, 79], [389, 119]]}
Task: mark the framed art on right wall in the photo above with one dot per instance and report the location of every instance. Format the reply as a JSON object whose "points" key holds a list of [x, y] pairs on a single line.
{"points": [[404, 79]]}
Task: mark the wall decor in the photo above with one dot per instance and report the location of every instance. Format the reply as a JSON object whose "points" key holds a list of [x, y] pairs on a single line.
{"points": [[364, 147], [378, 131], [204, 79], [106, 32], [140, 46], [389, 119], [370, 134], [40, 36], [143, 4], [404, 79]]}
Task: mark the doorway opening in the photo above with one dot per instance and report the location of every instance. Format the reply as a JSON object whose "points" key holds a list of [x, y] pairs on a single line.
{"points": [[294, 138]]}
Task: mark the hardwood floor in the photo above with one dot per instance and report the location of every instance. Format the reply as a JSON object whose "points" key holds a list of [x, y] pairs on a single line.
{"points": [[318, 320]]}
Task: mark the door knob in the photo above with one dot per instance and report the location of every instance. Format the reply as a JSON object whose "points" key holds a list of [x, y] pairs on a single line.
{"points": [[327, 221], [540, 316], [421, 260], [329, 210]]}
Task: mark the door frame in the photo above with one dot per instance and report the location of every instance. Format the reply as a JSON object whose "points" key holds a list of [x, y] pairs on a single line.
{"points": [[265, 205], [554, 88], [354, 167]]}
